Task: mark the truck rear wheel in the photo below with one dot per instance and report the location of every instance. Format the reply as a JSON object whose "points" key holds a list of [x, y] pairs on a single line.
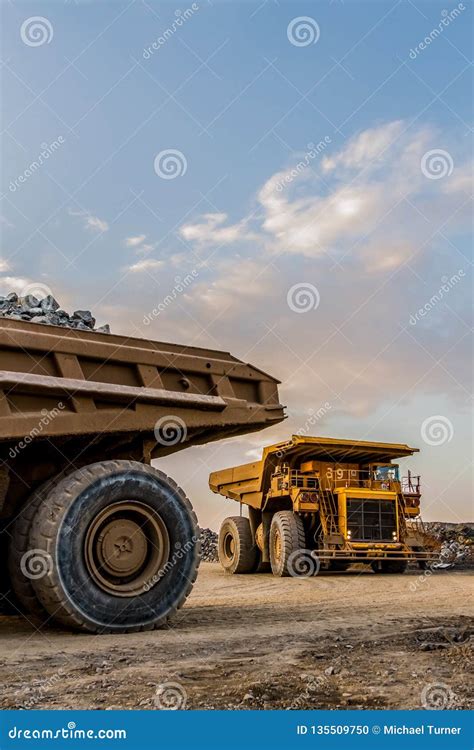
{"points": [[286, 537], [238, 552], [389, 566], [123, 548]]}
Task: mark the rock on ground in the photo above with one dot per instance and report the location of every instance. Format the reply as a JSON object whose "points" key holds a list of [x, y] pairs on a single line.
{"points": [[208, 539], [457, 543]]}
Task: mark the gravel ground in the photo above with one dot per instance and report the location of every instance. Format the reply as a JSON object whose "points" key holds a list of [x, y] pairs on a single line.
{"points": [[350, 640]]}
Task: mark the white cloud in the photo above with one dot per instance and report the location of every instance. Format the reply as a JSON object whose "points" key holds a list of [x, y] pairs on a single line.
{"points": [[373, 205], [4, 265], [150, 264], [96, 224], [92, 223], [211, 231], [135, 241], [14, 284]]}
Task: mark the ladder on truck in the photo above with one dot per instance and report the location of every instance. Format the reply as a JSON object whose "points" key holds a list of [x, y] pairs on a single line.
{"points": [[328, 512], [402, 521]]}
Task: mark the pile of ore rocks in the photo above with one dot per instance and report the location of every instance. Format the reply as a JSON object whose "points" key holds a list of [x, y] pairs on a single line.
{"points": [[208, 539], [457, 544], [48, 312]]}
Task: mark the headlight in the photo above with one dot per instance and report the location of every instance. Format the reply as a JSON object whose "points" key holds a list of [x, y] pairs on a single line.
{"points": [[349, 534], [394, 535]]}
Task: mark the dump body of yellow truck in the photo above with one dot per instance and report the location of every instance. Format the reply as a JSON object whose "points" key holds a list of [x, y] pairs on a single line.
{"points": [[344, 500]]}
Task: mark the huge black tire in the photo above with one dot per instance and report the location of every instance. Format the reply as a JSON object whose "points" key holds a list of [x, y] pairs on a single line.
{"points": [[238, 551], [23, 560], [389, 566], [286, 537], [122, 547]]}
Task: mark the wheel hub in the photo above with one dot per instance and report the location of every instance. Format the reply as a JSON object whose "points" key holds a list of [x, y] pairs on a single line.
{"points": [[125, 548], [229, 546]]}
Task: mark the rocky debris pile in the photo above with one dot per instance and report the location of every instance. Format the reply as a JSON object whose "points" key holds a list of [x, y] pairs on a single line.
{"points": [[457, 544], [48, 312], [208, 539]]}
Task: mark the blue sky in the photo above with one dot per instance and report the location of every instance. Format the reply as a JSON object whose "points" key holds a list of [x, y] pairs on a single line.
{"points": [[359, 219]]}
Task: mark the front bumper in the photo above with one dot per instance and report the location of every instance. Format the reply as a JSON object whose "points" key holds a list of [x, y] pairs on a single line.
{"points": [[376, 553]]}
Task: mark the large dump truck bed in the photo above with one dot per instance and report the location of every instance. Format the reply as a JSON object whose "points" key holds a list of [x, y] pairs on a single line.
{"points": [[72, 395]]}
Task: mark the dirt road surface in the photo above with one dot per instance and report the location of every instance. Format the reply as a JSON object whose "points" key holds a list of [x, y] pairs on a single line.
{"points": [[350, 640]]}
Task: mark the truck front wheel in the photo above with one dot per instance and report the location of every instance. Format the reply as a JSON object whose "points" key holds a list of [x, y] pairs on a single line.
{"points": [[287, 536], [121, 545]]}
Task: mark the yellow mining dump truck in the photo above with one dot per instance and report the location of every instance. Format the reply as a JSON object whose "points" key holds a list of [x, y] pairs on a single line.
{"points": [[318, 502]]}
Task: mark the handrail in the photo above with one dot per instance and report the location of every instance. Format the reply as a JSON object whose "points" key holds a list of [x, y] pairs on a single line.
{"points": [[356, 478]]}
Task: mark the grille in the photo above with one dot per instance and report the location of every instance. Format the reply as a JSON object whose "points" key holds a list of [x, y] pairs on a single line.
{"points": [[371, 520]]}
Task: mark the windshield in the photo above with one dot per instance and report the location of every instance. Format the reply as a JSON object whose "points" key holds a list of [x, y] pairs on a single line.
{"points": [[386, 473]]}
